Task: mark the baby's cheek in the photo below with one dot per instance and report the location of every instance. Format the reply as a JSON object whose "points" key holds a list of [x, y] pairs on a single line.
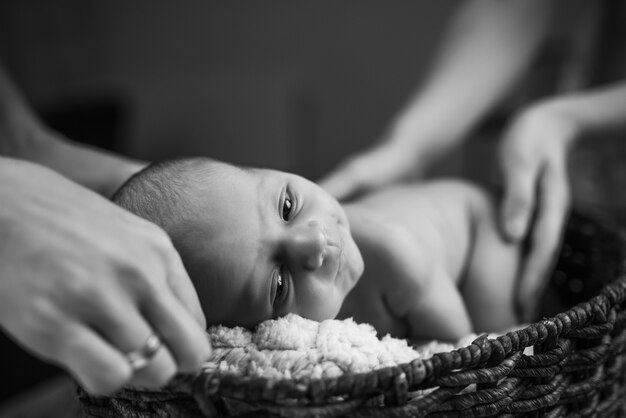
{"points": [[322, 307]]}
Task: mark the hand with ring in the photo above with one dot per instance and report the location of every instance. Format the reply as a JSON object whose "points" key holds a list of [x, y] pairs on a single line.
{"points": [[91, 287], [138, 359]]}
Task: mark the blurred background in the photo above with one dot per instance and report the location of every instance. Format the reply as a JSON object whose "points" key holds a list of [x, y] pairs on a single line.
{"points": [[295, 86]]}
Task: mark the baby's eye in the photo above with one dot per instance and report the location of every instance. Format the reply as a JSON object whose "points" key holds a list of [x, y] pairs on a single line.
{"points": [[287, 205], [281, 285]]}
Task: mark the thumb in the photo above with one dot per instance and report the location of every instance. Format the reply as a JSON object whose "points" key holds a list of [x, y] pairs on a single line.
{"points": [[518, 203], [344, 182]]}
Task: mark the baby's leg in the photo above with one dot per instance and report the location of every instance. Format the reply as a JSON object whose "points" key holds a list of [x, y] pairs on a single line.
{"points": [[439, 312], [489, 286]]}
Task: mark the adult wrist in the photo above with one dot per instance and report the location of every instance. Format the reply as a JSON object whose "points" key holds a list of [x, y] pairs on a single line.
{"points": [[422, 140], [20, 134], [562, 111]]}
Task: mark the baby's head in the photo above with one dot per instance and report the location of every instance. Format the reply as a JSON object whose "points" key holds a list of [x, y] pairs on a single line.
{"points": [[256, 243]]}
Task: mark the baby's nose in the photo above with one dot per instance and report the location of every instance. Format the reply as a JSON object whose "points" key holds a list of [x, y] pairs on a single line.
{"points": [[308, 245]]}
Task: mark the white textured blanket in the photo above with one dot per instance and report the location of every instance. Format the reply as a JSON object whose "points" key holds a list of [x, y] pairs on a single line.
{"points": [[295, 347]]}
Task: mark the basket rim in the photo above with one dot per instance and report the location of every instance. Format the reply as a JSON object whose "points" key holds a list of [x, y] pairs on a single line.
{"points": [[491, 353]]}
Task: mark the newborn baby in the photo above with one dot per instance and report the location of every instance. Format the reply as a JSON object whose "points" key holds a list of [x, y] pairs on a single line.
{"points": [[259, 244]]}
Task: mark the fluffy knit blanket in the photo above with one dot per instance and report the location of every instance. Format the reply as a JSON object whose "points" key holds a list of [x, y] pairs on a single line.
{"points": [[295, 347]]}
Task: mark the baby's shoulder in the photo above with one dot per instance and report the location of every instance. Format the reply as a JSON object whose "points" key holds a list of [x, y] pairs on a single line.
{"points": [[474, 198], [377, 233], [452, 188], [394, 259]]}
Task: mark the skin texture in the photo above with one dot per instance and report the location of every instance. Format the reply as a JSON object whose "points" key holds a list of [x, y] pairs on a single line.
{"points": [[265, 243], [83, 281], [533, 154], [436, 266], [535, 150], [486, 49], [80, 296], [488, 46]]}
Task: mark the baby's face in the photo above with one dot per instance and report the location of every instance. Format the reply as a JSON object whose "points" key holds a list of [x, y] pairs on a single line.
{"points": [[266, 243]]}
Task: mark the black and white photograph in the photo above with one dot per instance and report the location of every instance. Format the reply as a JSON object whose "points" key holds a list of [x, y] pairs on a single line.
{"points": [[312, 208]]}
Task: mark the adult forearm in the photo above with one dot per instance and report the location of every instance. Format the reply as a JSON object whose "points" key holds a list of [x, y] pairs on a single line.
{"points": [[24, 136], [488, 46], [596, 111], [96, 169], [18, 122]]}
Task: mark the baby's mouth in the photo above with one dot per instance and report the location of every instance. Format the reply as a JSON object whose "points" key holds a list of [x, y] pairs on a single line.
{"points": [[334, 240], [335, 243]]}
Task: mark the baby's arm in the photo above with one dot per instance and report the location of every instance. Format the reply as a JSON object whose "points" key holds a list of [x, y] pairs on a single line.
{"points": [[438, 311], [423, 294]]}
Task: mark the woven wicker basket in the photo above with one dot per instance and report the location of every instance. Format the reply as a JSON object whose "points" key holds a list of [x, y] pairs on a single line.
{"points": [[578, 367]]}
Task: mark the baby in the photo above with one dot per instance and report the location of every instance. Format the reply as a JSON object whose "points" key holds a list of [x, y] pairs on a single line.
{"points": [[259, 244]]}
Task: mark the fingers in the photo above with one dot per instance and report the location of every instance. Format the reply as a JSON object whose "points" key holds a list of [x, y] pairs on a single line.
{"points": [[156, 297], [166, 264], [345, 182], [187, 341], [180, 283], [81, 351], [159, 370], [374, 168], [126, 316], [116, 327], [66, 339], [174, 310], [520, 180], [545, 237], [122, 325]]}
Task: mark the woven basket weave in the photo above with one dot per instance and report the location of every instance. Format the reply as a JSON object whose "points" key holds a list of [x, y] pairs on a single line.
{"points": [[577, 369]]}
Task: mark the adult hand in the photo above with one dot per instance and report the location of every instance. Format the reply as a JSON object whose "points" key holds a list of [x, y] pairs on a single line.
{"points": [[485, 50], [383, 164], [83, 282], [533, 157]]}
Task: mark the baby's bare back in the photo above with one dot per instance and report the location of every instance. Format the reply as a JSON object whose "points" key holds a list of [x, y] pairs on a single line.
{"points": [[436, 216]]}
